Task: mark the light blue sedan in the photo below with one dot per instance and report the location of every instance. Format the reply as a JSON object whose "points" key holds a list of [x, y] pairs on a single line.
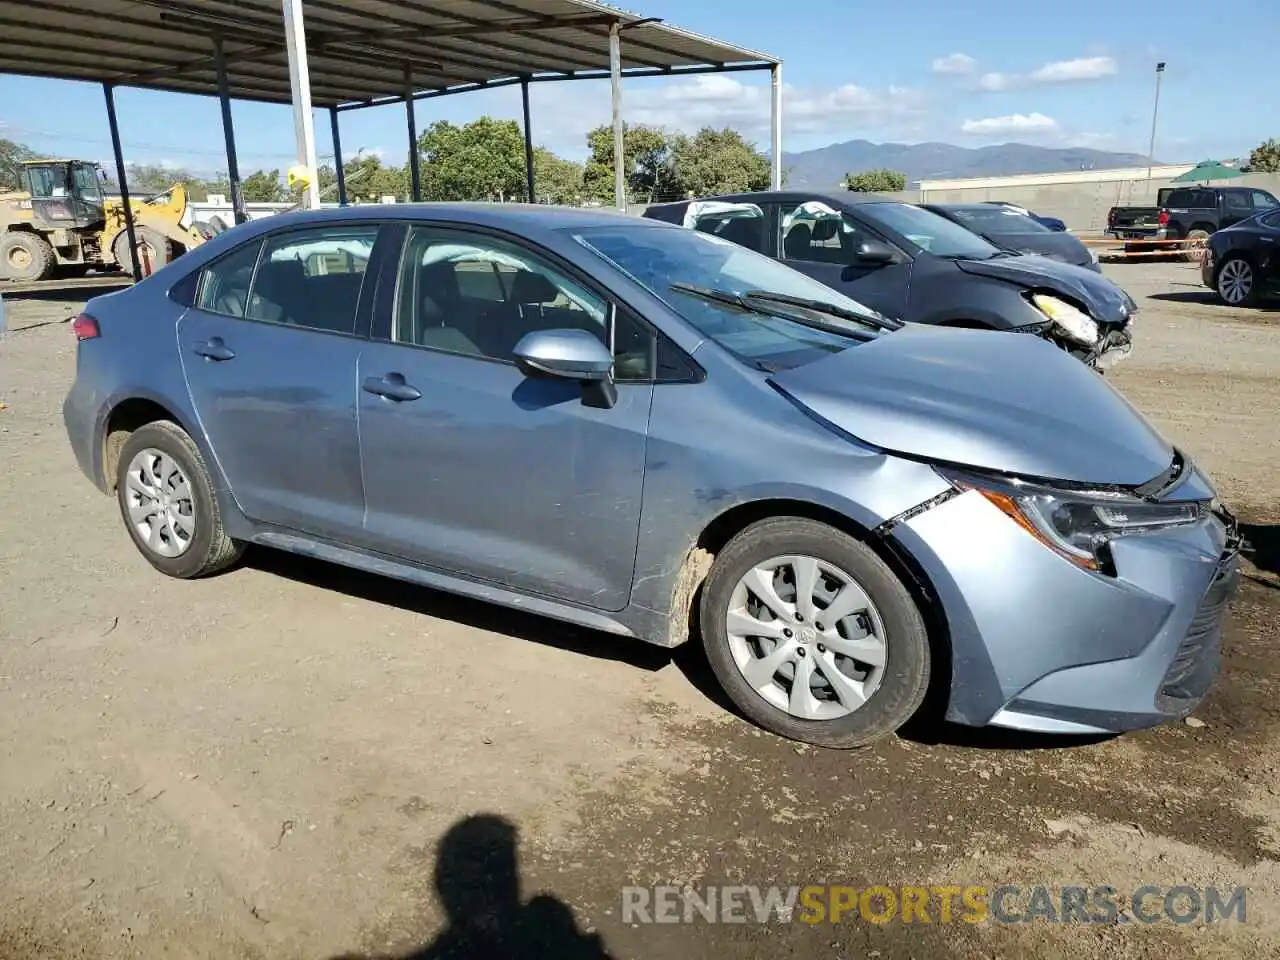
{"points": [[660, 434]]}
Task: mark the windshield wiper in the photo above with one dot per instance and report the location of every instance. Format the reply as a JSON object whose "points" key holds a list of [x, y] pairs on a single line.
{"points": [[879, 321], [753, 303]]}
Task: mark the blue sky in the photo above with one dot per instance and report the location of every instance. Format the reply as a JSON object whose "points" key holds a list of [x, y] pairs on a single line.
{"points": [[987, 71]]}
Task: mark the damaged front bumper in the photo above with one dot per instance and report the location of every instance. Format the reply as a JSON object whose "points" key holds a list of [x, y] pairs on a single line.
{"points": [[1039, 644]]}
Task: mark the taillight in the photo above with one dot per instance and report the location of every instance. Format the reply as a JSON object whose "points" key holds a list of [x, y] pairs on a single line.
{"points": [[85, 327], [1163, 219]]}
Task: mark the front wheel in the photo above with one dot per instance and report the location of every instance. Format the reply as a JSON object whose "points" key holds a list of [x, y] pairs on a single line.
{"points": [[166, 499], [812, 635], [153, 247]]}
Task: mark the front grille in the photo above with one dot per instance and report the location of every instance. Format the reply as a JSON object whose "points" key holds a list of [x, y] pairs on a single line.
{"points": [[1196, 660]]}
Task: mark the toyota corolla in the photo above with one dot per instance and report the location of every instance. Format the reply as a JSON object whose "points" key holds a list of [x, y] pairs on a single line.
{"points": [[663, 435]]}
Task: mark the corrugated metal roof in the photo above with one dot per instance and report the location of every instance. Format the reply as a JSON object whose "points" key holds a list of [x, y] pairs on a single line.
{"points": [[358, 50]]}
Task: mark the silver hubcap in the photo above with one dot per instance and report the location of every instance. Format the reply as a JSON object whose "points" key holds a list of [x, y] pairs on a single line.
{"points": [[1235, 281], [806, 637], [161, 508]]}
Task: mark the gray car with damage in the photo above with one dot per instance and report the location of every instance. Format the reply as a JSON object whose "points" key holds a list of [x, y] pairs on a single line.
{"points": [[660, 434]]}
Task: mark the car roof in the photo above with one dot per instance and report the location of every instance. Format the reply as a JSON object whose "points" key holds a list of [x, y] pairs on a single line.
{"points": [[522, 218]]}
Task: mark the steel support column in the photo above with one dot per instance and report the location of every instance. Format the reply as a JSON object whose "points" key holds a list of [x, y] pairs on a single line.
{"points": [[108, 91], [615, 81], [528, 142], [415, 162], [295, 36], [337, 157], [228, 132], [775, 160]]}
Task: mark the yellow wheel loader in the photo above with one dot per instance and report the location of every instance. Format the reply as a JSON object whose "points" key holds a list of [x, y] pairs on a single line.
{"points": [[61, 220]]}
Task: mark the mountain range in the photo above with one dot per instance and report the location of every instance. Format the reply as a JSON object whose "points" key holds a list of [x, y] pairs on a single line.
{"points": [[827, 166]]}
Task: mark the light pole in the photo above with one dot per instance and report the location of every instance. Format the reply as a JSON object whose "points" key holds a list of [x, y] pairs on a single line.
{"points": [[1154, 111]]}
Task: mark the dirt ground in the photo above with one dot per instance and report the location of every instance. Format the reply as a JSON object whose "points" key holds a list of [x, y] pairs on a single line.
{"points": [[296, 761]]}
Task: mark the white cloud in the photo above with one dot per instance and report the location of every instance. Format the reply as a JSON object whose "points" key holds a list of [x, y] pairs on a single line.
{"points": [[1059, 71], [995, 82], [1073, 71], [1015, 123], [955, 63]]}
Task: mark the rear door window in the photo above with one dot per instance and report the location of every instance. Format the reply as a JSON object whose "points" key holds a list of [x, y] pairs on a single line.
{"points": [[312, 278], [224, 284], [1237, 203]]}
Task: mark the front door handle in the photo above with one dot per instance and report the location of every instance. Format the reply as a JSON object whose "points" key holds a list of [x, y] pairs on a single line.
{"points": [[391, 386], [214, 349]]}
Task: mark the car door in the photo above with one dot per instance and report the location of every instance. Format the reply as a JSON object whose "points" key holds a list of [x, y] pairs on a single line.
{"points": [[820, 242], [270, 351], [1268, 249], [472, 468]]}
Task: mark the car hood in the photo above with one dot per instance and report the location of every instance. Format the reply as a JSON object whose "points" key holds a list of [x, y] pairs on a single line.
{"points": [[1105, 302], [1062, 247], [1005, 402]]}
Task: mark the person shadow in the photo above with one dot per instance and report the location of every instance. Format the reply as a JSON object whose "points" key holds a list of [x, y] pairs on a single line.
{"points": [[478, 882]]}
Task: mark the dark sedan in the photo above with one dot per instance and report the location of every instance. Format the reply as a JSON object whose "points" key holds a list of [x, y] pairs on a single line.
{"points": [[1010, 229], [1242, 261], [911, 264]]}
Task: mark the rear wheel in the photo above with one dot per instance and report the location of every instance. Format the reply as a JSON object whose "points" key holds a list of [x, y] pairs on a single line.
{"points": [[153, 247], [1236, 282], [1193, 245], [812, 636], [167, 502], [25, 256]]}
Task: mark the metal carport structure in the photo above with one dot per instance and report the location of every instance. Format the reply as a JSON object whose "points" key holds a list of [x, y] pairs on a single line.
{"points": [[353, 54]]}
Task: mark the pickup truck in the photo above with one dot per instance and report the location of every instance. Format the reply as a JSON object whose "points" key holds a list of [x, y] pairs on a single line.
{"points": [[1188, 213]]}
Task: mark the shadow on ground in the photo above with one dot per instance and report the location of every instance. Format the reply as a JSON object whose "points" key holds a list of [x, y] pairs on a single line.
{"points": [[928, 727], [477, 880]]}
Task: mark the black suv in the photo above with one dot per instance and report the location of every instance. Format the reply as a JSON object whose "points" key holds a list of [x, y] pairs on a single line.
{"points": [[911, 264]]}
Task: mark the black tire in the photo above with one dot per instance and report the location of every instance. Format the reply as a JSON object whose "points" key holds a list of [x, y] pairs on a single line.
{"points": [[25, 256], [209, 549], [1242, 263], [1194, 243], [906, 671], [161, 250]]}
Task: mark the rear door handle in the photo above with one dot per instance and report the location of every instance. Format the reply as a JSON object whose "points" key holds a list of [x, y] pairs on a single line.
{"points": [[392, 386], [214, 349]]}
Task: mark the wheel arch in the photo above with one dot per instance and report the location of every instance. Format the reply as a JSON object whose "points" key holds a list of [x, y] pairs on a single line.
{"points": [[121, 420], [687, 589], [1204, 225]]}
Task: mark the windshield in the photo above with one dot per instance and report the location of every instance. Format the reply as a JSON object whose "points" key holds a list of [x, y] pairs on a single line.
{"points": [[996, 220], [929, 232], [657, 258], [86, 181]]}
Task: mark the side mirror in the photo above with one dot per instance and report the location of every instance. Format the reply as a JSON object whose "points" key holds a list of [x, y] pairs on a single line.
{"points": [[569, 355], [873, 252]]}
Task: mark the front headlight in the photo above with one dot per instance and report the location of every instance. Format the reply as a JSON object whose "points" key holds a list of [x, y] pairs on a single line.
{"points": [[1076, 525], [1075, 324]]}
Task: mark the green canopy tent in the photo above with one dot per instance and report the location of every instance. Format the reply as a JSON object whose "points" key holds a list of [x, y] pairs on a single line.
{"points": [[1207, 170]]}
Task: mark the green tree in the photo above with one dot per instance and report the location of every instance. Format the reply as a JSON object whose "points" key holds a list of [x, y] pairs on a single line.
{"points": [[556, 180], [1264, 158], [264, 186], [646, 163], [482, 160], [875, 181], [11, 156], [717, 161], [368, 180]]}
